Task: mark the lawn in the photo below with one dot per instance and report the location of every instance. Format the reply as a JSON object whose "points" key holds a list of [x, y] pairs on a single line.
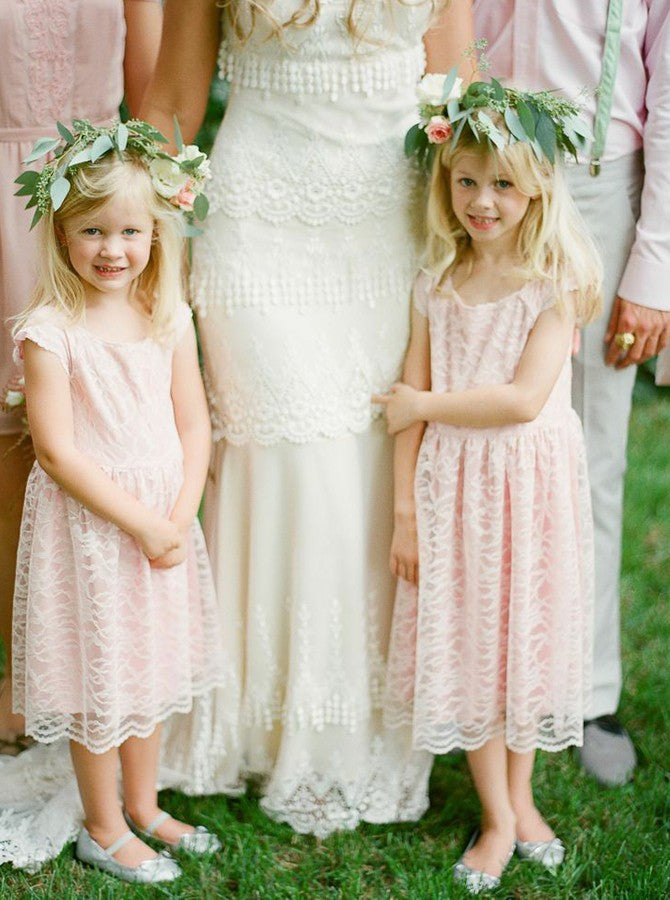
{"points": [[618, 840]]}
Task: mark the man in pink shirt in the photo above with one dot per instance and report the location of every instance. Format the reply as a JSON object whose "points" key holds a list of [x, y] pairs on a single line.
{"points": [[538, 44]]}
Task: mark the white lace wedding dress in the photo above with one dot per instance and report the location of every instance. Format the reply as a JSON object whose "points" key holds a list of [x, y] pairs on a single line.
{"points": [[301, 282]]}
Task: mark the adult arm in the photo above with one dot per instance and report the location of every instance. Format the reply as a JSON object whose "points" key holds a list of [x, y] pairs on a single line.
{"points": [[643, 304], [492, 406], [192, 420], [49, 410], [447, 38], [143, 36], [186, 61]]}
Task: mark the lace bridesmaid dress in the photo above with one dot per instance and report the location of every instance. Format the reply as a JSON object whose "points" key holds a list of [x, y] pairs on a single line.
{"points": [[301, 283], [497, 640]]}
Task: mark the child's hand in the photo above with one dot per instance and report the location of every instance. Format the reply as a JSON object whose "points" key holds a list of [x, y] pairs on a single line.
{"points": [[405, 550], [158, 536], [171, 558], [401, 407]]}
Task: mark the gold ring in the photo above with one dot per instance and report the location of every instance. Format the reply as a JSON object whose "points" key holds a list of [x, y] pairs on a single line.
{"points": [[624, 340]]}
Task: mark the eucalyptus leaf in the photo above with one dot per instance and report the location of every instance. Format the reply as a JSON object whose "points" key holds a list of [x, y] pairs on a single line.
{"points": [[514, 124], [527, 120], [41, 148], [65, 133], [26, 191], [498, 90], [100, 146], [178, 139], [449, 82], [579, 126], [28, 178], [413, 139], [191, 230], [59, 190], [459, 130], [453, 107], [121, 136], [81, 157], [201, 207], [36, 218], [545, 132]]}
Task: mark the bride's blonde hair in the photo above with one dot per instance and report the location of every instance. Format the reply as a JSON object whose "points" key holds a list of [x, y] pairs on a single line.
{"points": [[159, 287], [553, 242], [243, 16]]}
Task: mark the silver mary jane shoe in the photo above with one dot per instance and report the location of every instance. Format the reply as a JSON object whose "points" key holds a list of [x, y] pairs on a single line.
{"points": [[549, 854], [199, 841], [474, 880], [151, 871]]}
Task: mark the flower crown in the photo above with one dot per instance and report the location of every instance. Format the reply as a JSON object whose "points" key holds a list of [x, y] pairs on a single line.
{"points": [[547, 122], [179, 179]]}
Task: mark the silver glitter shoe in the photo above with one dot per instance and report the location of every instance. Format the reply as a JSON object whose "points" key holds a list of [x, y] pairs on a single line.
{"points": [[549, 854], [151, 871], [475, 881], [199, 841]]}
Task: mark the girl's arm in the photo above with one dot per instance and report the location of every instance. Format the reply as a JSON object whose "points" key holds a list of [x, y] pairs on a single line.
{"points": [[143, 36], [448, 37], [416, 372], [188, 51], [192, 418], [497, 405], [49, 410]]}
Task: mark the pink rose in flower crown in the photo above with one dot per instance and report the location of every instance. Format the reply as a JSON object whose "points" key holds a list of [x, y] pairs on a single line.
{"points": [[185, 197], [438, 130]]}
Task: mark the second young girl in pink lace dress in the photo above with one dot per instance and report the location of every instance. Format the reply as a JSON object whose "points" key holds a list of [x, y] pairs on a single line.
{"points": [[491, 653]]}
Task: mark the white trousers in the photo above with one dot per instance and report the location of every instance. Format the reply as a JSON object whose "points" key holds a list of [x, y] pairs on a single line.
{"points": [[601, 394]]}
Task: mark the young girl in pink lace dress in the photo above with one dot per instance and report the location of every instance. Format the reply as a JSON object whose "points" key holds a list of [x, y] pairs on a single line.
{"points": [[490, 652], [115, 622]]}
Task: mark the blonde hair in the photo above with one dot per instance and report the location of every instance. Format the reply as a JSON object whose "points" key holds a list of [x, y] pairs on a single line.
{"points": [[160, 286], [553, 242], [243, 17]]}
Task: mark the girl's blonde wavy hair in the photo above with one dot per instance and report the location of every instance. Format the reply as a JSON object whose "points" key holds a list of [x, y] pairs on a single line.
{"points": [[159, 287], [553, 241], [243, 17]]}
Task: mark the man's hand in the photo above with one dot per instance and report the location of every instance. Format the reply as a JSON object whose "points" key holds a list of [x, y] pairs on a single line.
{"points": [[651, 328]]}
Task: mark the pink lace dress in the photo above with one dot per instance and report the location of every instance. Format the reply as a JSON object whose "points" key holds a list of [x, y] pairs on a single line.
{"points": [[105, 646], [497, 640]]}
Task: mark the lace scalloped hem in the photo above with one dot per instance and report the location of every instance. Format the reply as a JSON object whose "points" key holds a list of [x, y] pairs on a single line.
{"points": [[426, 739], [72, 728]]}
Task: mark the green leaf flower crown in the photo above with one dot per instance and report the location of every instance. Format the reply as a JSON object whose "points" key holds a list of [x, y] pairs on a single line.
{"points": [[179, 179], [549, 123]]}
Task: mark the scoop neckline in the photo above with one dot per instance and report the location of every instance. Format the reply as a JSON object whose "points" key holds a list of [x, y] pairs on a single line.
{"points": [[102, 340], [450, 283]]}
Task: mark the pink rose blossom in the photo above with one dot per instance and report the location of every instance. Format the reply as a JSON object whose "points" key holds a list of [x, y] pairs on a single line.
{"points": [[185, 198], [439, 130]]}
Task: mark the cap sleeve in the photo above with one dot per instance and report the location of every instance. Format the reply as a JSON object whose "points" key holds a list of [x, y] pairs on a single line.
{"points": [[47, 335], [181, 322], [423, 286]]}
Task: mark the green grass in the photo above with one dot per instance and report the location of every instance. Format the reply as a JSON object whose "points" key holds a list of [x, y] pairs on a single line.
{"points": [[618, 840]]}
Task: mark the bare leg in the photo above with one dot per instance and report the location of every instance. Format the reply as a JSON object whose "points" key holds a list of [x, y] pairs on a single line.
{"points": [[96, 778], [488, 766], [530, 826], [139, 765], [16, 460]]}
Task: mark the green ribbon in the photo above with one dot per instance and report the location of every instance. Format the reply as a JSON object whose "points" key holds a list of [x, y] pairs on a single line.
{"points": [[607, 79]]}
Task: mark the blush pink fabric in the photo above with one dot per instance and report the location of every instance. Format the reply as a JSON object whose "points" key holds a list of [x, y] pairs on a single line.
{"points": [[59, 59], [497, 640], [104, 645]]}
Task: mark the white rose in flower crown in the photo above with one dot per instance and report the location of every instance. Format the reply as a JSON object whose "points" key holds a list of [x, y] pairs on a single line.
{"points": [[168, 179], [192, 151], [430, 88]]}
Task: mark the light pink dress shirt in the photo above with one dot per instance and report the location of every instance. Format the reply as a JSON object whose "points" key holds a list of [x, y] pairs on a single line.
{"points": [[538, 44]]}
